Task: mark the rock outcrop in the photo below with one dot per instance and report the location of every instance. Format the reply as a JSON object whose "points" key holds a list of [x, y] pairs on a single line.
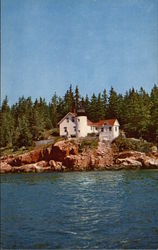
{"points": [[68, 156], [133, 159]]}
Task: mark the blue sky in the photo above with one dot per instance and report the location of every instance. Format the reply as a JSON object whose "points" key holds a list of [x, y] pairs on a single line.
{"points": [[49, 44]]}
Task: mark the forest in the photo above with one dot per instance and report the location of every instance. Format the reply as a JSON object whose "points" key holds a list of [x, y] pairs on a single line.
{"points": [[24, 122]]}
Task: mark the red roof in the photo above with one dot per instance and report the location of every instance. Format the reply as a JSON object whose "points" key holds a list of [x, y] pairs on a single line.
{"points": [[109, 122], [102, 122]]}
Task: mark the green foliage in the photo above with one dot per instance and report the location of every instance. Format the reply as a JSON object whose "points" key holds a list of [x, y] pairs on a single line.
{"points": [[104, 103], [93, 108], [90, 143], [22, 135], [26, 121], [115, 105], [137, 116], [53, 110], [154, 114], [7, 124], [69, 102], [121, 144], [77, 98]]}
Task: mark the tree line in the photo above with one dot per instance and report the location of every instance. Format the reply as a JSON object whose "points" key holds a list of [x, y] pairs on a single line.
{"points": [[24, 121]]}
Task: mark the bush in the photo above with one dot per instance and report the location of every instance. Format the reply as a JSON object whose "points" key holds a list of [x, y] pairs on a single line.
{"points": [[88, 143], [92, 135], [55, 132], [121, 144]]}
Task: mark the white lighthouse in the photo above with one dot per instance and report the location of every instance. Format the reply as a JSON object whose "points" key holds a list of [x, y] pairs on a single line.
{"points": [[81, 123]]}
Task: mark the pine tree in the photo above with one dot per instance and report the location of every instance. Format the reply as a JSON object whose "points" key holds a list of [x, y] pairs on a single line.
{"points": [[120, 110], [87, 106], [144, 114], [53, 110], [37, 122], [137, 113], [77, 98], [25, 121], [105, 104], [113, 107], [22, 135], [93, 108], [100, 114], [61, 110], [69, 100], [7, 124], [154, 114], [45, 114]]}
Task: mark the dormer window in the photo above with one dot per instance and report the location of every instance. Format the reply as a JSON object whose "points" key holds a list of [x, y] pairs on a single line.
{"points": [[73, 119], [67, 119]]}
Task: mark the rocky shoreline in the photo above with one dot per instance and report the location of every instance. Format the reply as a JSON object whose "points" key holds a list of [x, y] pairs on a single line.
{"points": [[68, 156]]}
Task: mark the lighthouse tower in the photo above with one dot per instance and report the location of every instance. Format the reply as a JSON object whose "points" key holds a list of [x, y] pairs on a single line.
{"points": [[81, 123]]}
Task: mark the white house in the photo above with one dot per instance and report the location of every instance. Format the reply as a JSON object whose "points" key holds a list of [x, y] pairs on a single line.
{"points": [[77, 125]]}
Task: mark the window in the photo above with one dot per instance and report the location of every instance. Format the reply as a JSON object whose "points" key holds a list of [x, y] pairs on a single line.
{"points": [[78, 131], [115, 128], [78, 120], [65, 129], [102, 129], [74, 128], [91, 128], [110, 128], [67, 119], [73, 119]]}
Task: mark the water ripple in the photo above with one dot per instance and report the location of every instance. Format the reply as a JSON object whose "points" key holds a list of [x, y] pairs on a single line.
{"points": [[91, 210]]}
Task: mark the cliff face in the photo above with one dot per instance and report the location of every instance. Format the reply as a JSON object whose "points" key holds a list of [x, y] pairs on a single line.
{"points": [[68, 156]]}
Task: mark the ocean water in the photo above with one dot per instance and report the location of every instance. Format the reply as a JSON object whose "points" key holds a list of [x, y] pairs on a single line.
{"points": [[80, 210]]}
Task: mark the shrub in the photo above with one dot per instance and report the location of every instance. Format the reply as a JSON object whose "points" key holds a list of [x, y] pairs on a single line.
{"points": [[121, 144], [55, 132], [92, 135], [88, 143]]}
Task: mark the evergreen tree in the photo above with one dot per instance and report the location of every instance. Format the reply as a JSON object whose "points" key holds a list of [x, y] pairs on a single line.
{"points": [[120, 110], [61, 111], [113, 104], [53, 111], [7, 124], [137, 113], [25, 121], [93, 108], [45, 114], [105, 103], [37, 121], [69, 101], [22, 135], [87, 106], [154, 114], [100, 111], [77, 98]]}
